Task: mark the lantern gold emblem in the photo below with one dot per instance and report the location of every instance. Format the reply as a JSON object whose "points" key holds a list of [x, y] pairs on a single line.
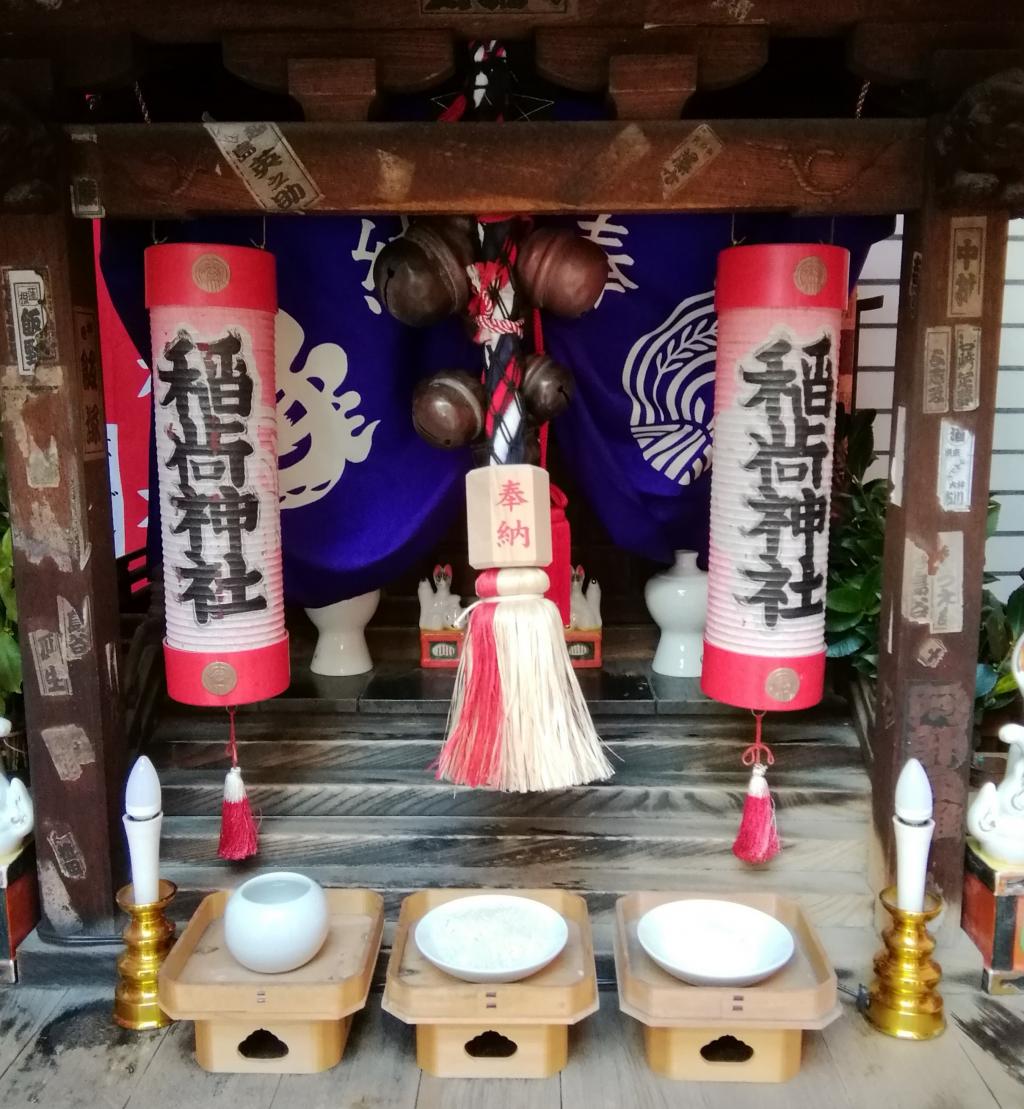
{"points": [[211, 273], [219, 678], [782, 684], [810, 275]]}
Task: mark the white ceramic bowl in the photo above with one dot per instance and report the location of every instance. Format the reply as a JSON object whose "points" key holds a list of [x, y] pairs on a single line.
{"points": [[276, 922], [491, 937], [715, 943]]}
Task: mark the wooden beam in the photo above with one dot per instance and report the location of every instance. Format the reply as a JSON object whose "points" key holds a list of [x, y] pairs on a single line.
{"points": [[896, 53], [947, 358], [333, 88], [54, 441], [651, 86], [407, 61], [868, 166], [579, 57], [191, 20]]}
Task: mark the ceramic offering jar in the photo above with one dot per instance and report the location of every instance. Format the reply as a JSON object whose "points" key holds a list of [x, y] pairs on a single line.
{"points": [[276, 922], [677, 600], [341, 648]]}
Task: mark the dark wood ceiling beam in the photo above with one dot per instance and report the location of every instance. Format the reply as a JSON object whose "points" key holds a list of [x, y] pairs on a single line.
{"points": [[174, 170], [579, 57], [192, 20], [407, 61]]}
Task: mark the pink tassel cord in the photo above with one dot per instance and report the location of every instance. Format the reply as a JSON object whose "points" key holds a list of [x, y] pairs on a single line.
{"points": [[472, 753], [238, 830], [757, 841]]}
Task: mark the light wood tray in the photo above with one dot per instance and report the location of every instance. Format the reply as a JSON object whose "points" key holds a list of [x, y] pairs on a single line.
{"points": [[201, 980], [804, 994], [564, 992]]}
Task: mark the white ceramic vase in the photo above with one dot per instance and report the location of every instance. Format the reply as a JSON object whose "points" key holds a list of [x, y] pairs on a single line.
{"points": [[341, 647], [677, 601], [276, 922]]}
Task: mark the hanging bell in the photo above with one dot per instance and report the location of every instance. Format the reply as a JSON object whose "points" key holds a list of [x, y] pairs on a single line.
{"points": [[421, 277], [558, 270], [448, 409], [547, 387]]}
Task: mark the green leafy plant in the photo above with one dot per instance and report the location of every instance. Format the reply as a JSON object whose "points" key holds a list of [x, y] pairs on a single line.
{"points": [[1001, 626], [854, 596], [10, 655]]}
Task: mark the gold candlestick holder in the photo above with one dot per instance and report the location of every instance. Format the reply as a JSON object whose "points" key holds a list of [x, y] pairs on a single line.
{"points": [[903, 999], [148, 938]]}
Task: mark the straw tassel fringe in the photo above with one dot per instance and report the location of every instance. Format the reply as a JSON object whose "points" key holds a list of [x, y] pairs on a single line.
{"points": [[519, 721]]}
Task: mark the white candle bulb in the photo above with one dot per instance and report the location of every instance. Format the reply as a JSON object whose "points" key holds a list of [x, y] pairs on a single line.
{"points": [[142, 797], [142, 823], [913, 794], [914, 826]]}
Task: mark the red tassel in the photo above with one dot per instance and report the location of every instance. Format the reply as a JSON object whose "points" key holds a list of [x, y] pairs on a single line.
{"points": [[560, 571], [471, 753], [238, 830], [758, 838]]}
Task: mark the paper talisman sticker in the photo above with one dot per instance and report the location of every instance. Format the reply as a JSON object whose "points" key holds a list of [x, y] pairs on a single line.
{"points": [[267, 165]]}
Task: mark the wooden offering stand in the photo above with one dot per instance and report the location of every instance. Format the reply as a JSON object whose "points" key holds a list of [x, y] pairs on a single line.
{"points": [[725, 1033], [292, 1023], [492, 1030]]}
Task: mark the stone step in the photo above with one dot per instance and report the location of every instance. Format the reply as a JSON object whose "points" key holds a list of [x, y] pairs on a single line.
{"points": [[850, 948], [621, 687], [534, 847], [665, 757], [212, 727], [831, 898], [288, 792]]}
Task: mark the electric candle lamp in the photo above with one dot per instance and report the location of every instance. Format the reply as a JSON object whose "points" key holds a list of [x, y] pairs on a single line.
{"points": [[914, 827], [143, 817]]}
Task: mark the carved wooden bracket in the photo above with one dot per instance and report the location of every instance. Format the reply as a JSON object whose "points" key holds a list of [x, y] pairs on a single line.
{"points": [[28, 159], [979, 149], [407, 61], [651, 86], [333, 89], [580, 57]]}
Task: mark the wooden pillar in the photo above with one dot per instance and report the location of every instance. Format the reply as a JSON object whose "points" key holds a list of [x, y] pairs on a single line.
{"points": [[55, 449], [947, 355]]}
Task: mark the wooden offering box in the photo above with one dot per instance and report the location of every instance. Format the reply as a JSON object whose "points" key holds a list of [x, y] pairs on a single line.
{"points": [[293, 1023], [725, 1034], [492, 1030]]}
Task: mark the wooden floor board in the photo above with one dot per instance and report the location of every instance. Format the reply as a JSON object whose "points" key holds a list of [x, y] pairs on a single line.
{"points": [[79, 1059], [991, 1033], [173, 1078], [879, 1072], [377, 1071], [501, 1093], [607, 1070], [22, 1012], [818, 1073], [61, 1049]]}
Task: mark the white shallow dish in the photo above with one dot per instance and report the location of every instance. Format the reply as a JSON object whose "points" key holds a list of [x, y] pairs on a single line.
{"points": [[715, 943], [491, 937]]}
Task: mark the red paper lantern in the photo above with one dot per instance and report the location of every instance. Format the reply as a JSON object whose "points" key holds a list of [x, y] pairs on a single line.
{"points": [[212, 312], [779, 317]]}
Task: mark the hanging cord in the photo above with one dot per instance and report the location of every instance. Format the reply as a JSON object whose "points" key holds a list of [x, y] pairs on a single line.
{"points": [[231, 750], [758, 750], [862, 96], [141, 101]]}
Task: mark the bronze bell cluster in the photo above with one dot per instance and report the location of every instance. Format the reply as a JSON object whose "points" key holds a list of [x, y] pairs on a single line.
{"points": [[422, 277]]}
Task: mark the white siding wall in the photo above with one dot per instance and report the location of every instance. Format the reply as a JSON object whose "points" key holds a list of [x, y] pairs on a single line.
{"points": [[877, 356]]}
